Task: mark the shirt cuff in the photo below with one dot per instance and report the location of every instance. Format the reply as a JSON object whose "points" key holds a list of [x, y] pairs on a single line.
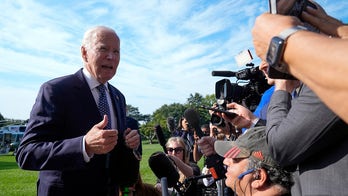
{"points": [[254, 122], [85, 155]]}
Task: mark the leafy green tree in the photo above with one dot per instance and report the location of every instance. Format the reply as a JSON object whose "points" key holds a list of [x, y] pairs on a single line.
{"points": [[196, 101], [134, 112], [159, 117]]}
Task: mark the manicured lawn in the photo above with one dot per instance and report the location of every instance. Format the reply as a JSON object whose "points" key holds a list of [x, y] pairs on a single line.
{"points": [[18, 182], [14, 181]]}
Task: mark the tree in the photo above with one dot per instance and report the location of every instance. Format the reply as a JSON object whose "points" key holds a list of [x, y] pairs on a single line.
{"points": [[159, 117], [133, 112], [196, 101]]}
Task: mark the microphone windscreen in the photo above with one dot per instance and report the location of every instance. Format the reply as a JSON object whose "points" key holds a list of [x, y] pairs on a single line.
{"points": [[162, 166], [192, 117], [171, 124], [160, 135]]}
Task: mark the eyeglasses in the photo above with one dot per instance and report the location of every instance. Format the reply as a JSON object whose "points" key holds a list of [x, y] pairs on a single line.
{"points": [[176, 150]]}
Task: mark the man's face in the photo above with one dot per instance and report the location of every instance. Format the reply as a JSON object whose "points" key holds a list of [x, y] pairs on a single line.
{"points": [[264, 67], [234, 168], [103, 55]]}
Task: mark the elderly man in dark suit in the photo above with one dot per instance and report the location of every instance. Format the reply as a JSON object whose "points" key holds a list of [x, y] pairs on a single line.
{"points": [[79, 148]]}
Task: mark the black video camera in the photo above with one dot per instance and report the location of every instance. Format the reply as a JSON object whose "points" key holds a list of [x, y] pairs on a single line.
{"points": [[248, 95]]}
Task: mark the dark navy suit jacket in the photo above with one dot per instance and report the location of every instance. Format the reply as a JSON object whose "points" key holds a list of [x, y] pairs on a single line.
{"points": [[63, 112]]}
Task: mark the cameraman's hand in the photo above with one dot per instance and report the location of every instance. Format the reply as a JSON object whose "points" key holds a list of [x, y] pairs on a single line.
{"points": [[244, 119], [320, 19], [206, 144]]}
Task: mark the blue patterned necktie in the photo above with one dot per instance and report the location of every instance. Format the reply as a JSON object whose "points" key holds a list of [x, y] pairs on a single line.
{"points": [[103, 105]]}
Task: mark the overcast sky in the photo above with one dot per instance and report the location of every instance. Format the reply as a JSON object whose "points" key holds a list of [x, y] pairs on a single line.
{"points": [[168, 47]]}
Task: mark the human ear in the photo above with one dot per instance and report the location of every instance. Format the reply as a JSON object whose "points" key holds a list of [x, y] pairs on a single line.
{"points": [[259, 178], [84, 54]]}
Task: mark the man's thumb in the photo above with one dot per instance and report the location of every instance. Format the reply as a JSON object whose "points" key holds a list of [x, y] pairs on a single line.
{"points": [[103, 123]]}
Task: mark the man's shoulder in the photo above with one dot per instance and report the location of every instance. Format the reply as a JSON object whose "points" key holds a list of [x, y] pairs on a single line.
{"points": [[64, 83], [115, 91], [66, 79]]}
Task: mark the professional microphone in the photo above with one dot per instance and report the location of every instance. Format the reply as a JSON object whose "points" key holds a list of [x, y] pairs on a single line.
{"points": [[192, 118], [214, 162], [223, 73], [160, 137], [162, 166], [171, 124]]}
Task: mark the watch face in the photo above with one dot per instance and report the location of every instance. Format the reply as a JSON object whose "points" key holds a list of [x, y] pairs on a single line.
{"points": [[276, 68], [275, 52]]}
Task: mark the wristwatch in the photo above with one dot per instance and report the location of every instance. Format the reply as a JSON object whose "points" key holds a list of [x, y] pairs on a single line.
{"points": [[276, 48]]}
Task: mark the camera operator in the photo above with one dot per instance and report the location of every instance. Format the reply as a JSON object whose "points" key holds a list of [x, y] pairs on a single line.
{"points": [[303, 133], [318, 52]]}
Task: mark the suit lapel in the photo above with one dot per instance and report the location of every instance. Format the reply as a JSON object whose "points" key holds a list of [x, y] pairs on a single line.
{"points": [[84, 94], [115, 99]]}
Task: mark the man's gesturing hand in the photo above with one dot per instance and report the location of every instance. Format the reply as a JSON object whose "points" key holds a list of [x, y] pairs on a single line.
{"points": [[100, 141]]}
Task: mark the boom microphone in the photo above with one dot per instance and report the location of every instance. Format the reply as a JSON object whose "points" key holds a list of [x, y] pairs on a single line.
{"points": [[223, 73], [192, 118], [160, 137], [162, 166], [171, 124]]}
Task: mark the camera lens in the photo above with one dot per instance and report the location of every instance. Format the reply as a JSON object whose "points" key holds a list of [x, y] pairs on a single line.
{"points": [[217, 120]]}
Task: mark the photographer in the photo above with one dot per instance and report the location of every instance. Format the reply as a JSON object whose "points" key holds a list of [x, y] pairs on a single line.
{"points": [[185, 131], [303, 133], [313, 53]]}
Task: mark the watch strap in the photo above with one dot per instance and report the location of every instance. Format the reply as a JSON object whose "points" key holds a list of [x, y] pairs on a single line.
{"points": [[285, 34]]}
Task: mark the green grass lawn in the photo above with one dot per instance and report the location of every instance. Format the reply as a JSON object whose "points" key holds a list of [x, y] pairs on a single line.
{"points": [[18, 182]]}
